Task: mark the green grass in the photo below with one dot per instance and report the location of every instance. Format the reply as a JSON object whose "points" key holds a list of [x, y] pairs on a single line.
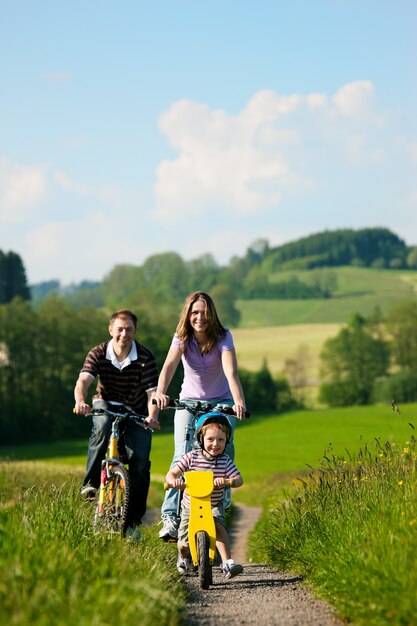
{"points": [[266, 446], [56, 570], [351, 532]]}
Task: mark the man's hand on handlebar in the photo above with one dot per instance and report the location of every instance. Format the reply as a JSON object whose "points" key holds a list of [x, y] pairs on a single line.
{"points": [[82, 408], [153, 422]]}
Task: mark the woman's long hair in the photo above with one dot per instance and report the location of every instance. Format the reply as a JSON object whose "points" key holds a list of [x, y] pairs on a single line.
{"points": [[215, 329]]}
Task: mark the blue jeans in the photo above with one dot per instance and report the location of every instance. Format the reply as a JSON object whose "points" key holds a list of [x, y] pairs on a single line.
{"points": [[135, 441], [184, 428]]}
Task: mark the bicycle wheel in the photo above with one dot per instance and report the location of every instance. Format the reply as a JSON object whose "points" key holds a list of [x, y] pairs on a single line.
{"points": [[111, 515], [205, 574]]}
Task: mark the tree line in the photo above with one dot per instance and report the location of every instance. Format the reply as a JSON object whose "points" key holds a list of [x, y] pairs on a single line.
{"points": [[254, 275], [41, 353]]}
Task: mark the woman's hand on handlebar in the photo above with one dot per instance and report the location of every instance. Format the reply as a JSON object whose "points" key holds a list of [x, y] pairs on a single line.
{"points": [[162, 400], [240, 411]]}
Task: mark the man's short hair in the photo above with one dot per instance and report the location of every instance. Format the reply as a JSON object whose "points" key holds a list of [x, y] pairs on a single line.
{"points": [[124, 313]]}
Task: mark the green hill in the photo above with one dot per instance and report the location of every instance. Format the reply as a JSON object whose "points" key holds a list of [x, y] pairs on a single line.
{"points": [[359, 290]]}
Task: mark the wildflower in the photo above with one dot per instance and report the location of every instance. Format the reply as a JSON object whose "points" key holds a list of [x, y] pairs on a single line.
{"points": [[400, 482], [412, 522], [405, 450]]}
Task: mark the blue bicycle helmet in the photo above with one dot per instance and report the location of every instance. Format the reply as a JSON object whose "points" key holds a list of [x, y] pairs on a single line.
{"points": [[213, 417]]}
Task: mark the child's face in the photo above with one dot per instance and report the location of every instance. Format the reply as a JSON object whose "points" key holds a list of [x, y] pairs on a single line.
{"points": [[214, 440]]}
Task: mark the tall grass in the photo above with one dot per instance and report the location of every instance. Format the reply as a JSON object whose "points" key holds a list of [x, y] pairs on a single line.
{"points": [[57, 570], [351, 530]]}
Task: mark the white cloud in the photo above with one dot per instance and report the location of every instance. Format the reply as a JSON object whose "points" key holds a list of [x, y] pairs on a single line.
{"points": [[68, 184], [87, 247], [354, 98], [22, 187], [248, 162]]}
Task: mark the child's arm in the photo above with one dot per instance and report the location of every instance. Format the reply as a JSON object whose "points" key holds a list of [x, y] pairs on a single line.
{"points": [[234, 481], [173, 478]]}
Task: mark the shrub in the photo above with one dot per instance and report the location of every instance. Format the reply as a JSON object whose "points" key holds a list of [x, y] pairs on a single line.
{"points": [[401, 387]]}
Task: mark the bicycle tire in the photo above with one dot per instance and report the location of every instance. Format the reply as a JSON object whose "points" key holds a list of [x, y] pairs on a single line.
{"points": [[114, 514], [205, 573]]}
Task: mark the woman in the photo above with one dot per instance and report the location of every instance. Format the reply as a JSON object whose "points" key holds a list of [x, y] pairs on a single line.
{"points": [[206, 350]]}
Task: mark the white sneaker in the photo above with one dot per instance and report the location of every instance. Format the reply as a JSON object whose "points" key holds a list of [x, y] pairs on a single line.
{"points": [[183, 565], [89, 492], [231, 569], [169, 530]]}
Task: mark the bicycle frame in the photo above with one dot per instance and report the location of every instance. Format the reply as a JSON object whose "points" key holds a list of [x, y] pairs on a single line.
{"points": [[112, 509]]}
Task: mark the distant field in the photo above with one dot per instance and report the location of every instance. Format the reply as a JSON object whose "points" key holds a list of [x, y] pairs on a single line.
{"points": [[278, 343], [359, 290]]}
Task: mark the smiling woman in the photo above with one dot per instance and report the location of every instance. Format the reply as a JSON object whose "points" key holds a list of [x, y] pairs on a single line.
{"points": [[208, 355]]}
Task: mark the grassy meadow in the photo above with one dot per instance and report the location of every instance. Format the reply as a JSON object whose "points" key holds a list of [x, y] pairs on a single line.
{"points": [[276, 344], [339, 488], [57, 570], [350, 529]]}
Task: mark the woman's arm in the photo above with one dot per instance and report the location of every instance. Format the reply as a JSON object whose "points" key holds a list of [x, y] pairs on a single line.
{"points": [[229, 363], [167, 373]]}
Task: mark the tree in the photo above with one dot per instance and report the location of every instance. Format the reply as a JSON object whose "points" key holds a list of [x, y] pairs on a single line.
{"points": [[13, 280], [402, 325], [412, 258], [351, 363], [225, 304]]}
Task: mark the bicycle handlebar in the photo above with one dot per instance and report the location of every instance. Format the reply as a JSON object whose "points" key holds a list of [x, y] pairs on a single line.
{"points": [[139, 419], [199, 407], [228, 482]]}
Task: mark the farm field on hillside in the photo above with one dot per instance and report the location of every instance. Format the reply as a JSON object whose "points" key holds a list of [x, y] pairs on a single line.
{"points": [[359, 290], [278, 343]]}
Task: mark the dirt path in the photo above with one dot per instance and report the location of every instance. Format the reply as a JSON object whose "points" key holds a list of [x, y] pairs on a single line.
{"points": [[258, 596]]}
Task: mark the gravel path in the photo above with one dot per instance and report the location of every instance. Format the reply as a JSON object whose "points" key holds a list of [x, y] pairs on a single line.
{"points": [[259, 596]]}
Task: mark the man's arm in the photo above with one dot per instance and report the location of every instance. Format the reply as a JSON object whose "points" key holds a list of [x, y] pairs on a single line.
{"points": [[80, 393], [153, 410]]}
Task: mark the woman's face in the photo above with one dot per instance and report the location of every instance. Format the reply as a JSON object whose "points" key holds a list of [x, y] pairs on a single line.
{"points": [[198, 317]]}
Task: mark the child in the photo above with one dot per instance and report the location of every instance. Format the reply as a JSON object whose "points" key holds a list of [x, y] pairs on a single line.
{"points": [[213, 432]]}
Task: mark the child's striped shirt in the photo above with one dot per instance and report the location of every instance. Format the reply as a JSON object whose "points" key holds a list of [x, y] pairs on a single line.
{"points": [[221, 466]]}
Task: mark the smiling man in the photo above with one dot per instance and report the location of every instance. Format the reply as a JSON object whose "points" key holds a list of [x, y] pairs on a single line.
{"points": [[127, 374]]}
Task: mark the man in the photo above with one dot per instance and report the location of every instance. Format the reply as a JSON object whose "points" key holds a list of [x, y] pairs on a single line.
{"points": [[128, 375]]}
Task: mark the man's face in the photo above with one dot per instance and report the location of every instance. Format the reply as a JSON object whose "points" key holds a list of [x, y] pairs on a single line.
{"points": [[123, 331]]}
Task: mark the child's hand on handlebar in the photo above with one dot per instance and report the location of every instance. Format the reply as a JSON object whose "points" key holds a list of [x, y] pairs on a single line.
{"points": [[177, 483]]}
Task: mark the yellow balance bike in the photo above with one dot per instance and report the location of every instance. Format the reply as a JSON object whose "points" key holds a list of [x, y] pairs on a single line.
{"points": [[201, 529]]}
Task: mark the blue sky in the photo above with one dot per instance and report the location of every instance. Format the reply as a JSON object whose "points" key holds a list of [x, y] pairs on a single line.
{"points": [[134, 128]]}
